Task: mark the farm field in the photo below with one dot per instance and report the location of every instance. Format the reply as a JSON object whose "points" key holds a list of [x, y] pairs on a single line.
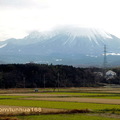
{"points": [[69, 104], [70, 117], [64, 117]]}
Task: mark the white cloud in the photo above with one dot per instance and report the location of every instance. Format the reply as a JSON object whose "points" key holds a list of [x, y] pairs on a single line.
{"points": [[17, 17], [22, 3]]}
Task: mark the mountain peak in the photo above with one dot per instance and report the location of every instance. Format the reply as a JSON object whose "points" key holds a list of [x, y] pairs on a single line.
{"points": [[90, 33]]}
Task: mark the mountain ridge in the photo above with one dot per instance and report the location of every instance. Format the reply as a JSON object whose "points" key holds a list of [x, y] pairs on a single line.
{"points": [[61, 46]]}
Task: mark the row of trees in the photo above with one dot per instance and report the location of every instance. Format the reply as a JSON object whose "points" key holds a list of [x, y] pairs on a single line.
{"points": [[42, 75], [36, 75]]}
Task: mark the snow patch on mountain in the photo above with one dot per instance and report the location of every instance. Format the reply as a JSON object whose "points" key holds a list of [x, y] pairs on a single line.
{"points": [[91, 33], [88, 33], [92, 56], [2, 46], [117, 54], [38, 35], [57, 60]]}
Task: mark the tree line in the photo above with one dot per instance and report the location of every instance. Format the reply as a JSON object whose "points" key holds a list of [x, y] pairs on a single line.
{"points": [[43, 75]]}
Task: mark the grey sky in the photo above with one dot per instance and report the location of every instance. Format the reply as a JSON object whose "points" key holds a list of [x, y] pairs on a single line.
{"points": [[18, 17], [21, 3]]}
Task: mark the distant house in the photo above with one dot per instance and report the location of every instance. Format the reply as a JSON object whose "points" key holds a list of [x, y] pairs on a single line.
{"points": [[110, 74], [100, 74]]}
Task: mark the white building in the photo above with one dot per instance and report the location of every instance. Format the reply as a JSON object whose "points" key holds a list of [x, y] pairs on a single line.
{"points": [[110, 74]]}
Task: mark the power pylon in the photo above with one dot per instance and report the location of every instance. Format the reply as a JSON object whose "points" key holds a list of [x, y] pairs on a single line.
{"points": [[104, 62]]}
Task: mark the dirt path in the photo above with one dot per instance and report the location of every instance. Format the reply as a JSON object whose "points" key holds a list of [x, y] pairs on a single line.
{"points": [[53, 97], [37, 95], [76, 99]]}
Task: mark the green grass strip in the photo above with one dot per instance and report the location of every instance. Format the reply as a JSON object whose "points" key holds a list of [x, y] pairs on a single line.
{"points": [[56, 104], [80, 93], [11, 97]]}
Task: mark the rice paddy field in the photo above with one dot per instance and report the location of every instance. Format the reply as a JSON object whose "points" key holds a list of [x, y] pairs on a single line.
{"points": [[68, 103]]}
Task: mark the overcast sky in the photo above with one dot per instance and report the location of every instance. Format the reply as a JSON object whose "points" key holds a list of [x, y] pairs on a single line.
{"points": [[19, 17]]}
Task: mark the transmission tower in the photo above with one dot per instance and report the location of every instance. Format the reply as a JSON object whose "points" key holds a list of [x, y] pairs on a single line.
{"points": [[104, 62]]}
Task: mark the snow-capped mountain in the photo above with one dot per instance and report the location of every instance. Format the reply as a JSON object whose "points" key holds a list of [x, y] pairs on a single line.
{"points": [[67, 45]]}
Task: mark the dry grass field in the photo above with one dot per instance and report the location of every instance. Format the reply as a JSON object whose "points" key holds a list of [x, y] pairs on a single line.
{"points": [[76, 99]]}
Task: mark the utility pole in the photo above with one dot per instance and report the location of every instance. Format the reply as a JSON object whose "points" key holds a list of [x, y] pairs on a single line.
{"points": [[104, 62], [58, 81], [44, 81], [24, 82]]}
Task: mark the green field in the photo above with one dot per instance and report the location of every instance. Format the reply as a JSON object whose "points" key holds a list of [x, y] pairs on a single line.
{"points": [[99, 111], [56, 104], [11, 97]]}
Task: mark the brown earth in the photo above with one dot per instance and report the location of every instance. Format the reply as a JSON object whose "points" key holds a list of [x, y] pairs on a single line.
{"points": [[72, 89], [37, 94]]}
